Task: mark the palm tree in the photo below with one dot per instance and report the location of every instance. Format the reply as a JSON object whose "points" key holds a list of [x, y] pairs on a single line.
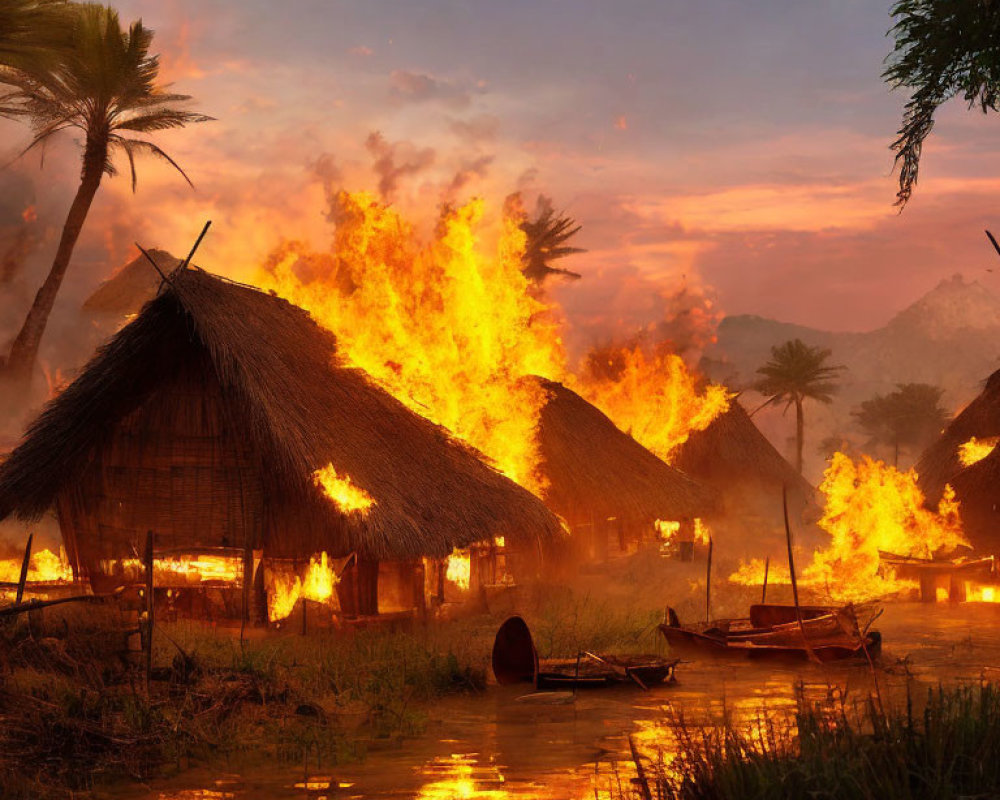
{"points": [[797, 372], [104, 84], [911, 416], [547, 235], [32, 31]]}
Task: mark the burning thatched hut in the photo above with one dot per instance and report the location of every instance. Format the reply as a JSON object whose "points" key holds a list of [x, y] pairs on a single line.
{"points": [[209, 420], [964, 456], [732, 456], [608, 487], [976, 428]]}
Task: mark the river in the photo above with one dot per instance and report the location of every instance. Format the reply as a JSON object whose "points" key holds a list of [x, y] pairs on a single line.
{"points": [[492, 746]]}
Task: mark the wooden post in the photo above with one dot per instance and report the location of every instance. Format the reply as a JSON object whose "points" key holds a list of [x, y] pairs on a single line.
{"points": [[791, 572], [956, 588], [247, 584], [147, 642], [708, 582], [419, 592], [767, 569], [305, 616], [24, 570]]}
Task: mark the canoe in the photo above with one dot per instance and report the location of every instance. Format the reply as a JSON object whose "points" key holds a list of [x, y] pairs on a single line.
{"points": [[515, 660], [772, 631]]}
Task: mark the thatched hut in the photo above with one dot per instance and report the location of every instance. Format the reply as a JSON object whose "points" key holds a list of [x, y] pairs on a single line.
{"points": [[131, 287], [732, 456], [978, 490], [205, 420], [940, 462], [607, 486]]}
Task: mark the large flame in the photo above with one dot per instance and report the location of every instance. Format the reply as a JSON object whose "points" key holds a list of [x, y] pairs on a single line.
{"points": [[873, 507], [446, 328], [285, 588], [44, 566], [976, 450], [348, 496], [459, 568], [656, 397]]}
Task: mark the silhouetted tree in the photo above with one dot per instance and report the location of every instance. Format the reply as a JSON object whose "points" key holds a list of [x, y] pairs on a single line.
{"points": [[547, 235], [104, 84], [943, 48], [911, 416], [795, 373]]}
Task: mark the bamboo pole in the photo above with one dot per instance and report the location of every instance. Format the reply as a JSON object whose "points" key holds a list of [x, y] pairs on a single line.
{"points": [[26, 561], [767, 569], [147, 643], [791, 572], [708, 582]]}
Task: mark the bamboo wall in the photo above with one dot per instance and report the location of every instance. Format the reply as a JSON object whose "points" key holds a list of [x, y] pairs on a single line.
{"points": [[175, 466]]}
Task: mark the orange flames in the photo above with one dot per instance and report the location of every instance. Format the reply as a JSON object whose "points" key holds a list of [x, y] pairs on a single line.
{"points": [[44, 566], [668, 530], [183, 570], [870, 508], [458, 568], [447, 328], [654, 398], [339, 488], [285, 589], [976, 450]]}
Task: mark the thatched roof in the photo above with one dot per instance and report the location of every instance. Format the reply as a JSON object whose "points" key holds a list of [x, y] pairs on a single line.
{"points": [[732, 451], [131, 287], [300, 411], [978, 490], [940, 463], [593, 468]]}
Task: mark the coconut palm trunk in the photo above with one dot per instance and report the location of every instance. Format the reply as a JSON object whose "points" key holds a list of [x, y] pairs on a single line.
{"points": [[800, 432], [24, 351]]}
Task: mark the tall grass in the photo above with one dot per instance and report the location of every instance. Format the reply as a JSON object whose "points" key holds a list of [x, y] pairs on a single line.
{"points": [[945, 749]]}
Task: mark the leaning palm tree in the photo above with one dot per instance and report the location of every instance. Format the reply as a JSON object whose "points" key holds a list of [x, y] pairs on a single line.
{"points": [[104, 85], [797, 372]]}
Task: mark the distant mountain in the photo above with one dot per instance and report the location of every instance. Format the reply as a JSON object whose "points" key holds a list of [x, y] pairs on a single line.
{"points": [[950, 338]]}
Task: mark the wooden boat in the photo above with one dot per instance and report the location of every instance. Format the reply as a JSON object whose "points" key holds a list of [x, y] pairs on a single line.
{"points": [[773, 631], [515, 660]]}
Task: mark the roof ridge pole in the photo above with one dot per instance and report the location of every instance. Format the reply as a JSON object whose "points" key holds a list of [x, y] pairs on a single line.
{"points": [[197, 242]]}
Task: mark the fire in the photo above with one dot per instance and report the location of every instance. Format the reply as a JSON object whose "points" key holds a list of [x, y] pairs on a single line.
{"points": [[285, 588], [320, 580], [348, 496], [445, 327], [184, 569], [654, 398], [459, 568], [44, 566], [751, 573], [976, 450], [668, 529], [872, 507]]}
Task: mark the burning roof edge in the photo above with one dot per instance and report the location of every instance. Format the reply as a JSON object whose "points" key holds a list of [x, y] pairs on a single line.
{"points": [[594, 467], [302, 409]]}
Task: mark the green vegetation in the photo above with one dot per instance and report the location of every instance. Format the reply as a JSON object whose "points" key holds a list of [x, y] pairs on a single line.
{"points": [[950, 748], [942, 49]]}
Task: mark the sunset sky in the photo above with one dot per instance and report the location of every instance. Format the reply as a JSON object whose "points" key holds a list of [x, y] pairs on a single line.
{"points": [[741, 144]]}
